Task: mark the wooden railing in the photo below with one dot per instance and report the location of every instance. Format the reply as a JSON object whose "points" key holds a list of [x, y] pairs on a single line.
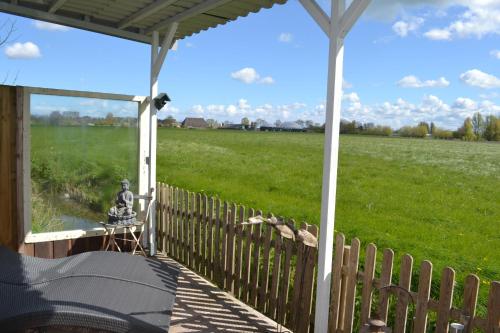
{"points": [[251, 261], [276, 275]]}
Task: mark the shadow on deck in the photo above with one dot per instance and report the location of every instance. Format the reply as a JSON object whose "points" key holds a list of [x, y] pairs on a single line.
{"points": [[200, 306]]}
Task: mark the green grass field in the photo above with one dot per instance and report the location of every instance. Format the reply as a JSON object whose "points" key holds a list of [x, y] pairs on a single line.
{"points": [[437, 200]]}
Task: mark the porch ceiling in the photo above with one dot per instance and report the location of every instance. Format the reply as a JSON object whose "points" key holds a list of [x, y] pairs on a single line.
{"points": [[137, 19]]}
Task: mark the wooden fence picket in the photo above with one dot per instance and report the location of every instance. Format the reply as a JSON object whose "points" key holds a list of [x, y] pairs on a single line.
{"points": [[385, 283], [210, 241], [307, 288], [177, 245], [238, 232], [368, 275], [247, 259], [403, 293], [493, 316], [285, 283], [165, 217], [191, 230], [218, 240], [203, 234], [197, 235], [223, 258], [445, 300], [424, 290], [264, 276], [230, 249], [471, 291], [299, 270], [255, 271], [336, 283], [275, 275], [352, 271]]}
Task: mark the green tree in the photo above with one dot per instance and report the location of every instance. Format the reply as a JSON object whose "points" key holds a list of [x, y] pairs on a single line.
{"points": [[426, 125], [492, 128], [55, 118], [468, 130], [245, 121], [433, 128], [478, 125], [212, 123]]}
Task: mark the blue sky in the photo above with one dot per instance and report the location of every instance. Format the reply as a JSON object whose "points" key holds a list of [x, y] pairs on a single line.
{"points": [[405, 61]]}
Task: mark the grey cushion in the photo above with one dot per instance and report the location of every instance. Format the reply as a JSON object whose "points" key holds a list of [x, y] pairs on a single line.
{"points": [[109, 291]]}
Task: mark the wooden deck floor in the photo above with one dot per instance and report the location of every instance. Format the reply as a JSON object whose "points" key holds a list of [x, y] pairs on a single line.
{"points": [[202, 307]]}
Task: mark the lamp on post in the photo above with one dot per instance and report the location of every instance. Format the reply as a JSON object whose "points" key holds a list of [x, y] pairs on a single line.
{"points": [[161, 100]]}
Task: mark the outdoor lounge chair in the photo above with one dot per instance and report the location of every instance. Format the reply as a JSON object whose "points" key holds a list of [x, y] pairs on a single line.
{"points": [[101, 291]]}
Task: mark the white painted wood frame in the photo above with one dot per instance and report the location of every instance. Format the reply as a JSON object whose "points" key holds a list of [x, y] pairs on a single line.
{"points": [[336, 28], [158, 56]]}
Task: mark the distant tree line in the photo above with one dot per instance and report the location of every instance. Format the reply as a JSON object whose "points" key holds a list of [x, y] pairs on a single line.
{"points": [[354, 127], [73, 118], [475, 128]]}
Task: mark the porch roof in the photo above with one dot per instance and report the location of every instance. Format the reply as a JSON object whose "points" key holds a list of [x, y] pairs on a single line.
{"points": [[137, 19]]}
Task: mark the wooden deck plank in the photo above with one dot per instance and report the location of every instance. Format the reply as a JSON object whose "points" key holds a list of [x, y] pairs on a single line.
{"points": [[201, 307]]}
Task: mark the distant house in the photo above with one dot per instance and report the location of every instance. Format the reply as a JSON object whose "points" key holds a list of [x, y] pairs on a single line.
{"points": [[194, 123]]}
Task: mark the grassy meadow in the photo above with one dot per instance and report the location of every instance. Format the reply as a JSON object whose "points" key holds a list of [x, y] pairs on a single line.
{"points": [[437, 200]]}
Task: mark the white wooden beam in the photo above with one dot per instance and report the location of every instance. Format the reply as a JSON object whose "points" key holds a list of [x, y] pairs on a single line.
{"points": [[76, 23], [145, 12], [318, 14], [165, 46], [152, 144], [330, 164], [351, 15], [193, 11], [56, 5]]}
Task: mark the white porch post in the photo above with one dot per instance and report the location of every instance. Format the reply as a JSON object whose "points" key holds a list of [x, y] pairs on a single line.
{"points": [[157, 58], [336, 27], [153, 89], [330, 162]]}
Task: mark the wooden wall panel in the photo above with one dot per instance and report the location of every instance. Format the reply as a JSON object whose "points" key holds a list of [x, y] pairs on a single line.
{"points": [[8, 190]]}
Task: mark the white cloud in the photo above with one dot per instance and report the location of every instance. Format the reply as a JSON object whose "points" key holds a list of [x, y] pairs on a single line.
{"points": [[480, 18], [438, 34], [285, 37], [495, 53], [346, 85], [477, 18], [403, 27], [463, 103], [477, 78], [247, 75], [351, 97], [50, 26], [267, 80], [412, 81], [26, 50]]}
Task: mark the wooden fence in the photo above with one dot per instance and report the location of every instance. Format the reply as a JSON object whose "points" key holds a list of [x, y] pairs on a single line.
{"points": [[404, 309], [276, 275], [251, 261]]}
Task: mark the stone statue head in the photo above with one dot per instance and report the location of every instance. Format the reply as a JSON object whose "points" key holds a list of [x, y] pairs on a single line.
{"points": [[125, 184]]}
